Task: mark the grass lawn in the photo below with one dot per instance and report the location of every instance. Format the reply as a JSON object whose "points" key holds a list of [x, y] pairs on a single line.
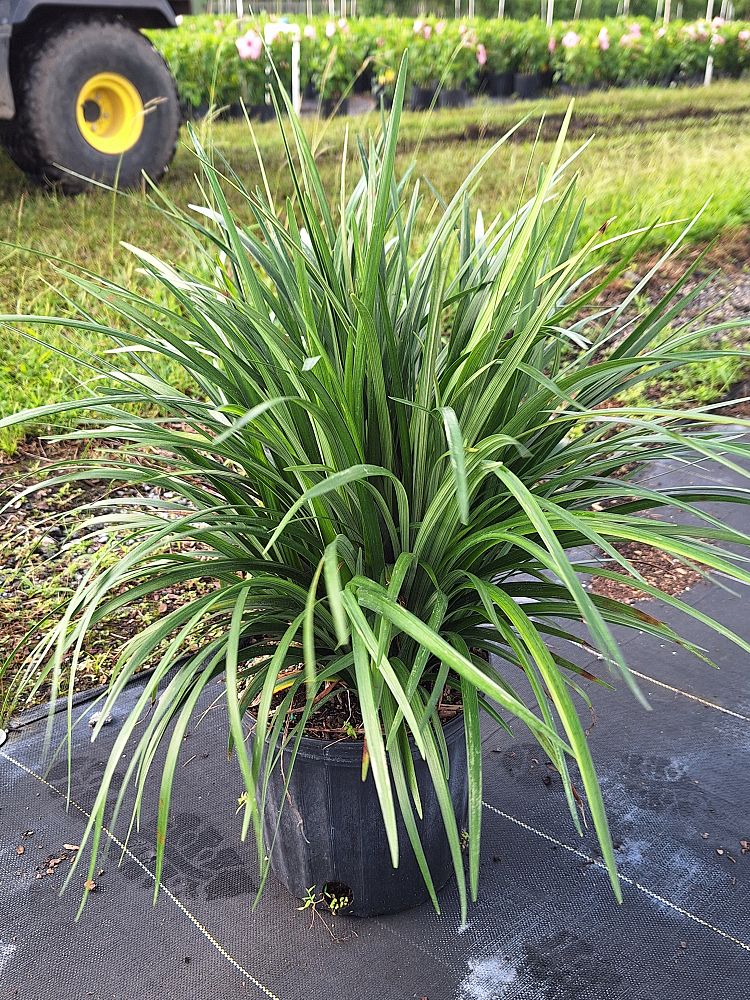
{"points": [[655, 155]]}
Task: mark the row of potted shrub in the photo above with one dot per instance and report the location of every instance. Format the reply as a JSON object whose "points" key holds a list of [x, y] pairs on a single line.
{"points": [[221, 61]]}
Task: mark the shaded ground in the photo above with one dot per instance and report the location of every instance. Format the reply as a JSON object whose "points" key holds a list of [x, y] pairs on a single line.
{"points": [[585, 125]]}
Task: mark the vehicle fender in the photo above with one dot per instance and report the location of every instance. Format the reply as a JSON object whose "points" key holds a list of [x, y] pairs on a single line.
{"points": [[140, 13]]}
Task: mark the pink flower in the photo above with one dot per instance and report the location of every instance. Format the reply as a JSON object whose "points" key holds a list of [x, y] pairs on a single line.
{"points": [[718, 22], [330, 29], [744, 35], [569, 40], [661, 32], [462, 29], [440, 27], [551, 44], [342, 23], [309, 31], [481, 54], [249, 45], [635, 29], [426, 31], [603, 39], [418, 26], [717, 40]]}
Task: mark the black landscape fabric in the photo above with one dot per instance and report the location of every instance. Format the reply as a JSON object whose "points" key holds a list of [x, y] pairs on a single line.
{"points": [[546, 927]]}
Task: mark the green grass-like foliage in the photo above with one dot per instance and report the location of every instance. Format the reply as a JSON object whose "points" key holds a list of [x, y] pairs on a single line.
{"points": [[384, 465]]}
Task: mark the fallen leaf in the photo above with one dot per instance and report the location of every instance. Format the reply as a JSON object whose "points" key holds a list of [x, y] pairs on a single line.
{"points": [[90, 885], [20, 850], [70, 847]]}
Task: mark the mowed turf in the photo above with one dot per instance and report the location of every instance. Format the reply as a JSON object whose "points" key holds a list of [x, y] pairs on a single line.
{"points": [[655, 155]]}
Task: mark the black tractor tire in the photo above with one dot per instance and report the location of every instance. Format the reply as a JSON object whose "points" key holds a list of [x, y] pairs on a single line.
{"points": [[44, 138]]}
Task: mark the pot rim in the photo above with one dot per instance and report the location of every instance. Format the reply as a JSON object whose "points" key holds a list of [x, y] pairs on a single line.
{"points": [[347, 751]]}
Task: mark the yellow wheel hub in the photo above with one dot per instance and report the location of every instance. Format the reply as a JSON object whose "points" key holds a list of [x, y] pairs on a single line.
{"points": [[109, 112]]}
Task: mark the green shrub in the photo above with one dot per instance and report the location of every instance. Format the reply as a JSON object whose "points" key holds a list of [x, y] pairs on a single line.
{"points": [[386, 462], [203, 55], [531, 47], [498, 38]]}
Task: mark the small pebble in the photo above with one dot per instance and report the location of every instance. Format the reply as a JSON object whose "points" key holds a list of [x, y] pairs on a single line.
{"points": [[95, 718]]}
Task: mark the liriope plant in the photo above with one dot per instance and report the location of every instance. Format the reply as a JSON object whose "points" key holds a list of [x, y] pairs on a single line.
{"points": [[397, 437]]}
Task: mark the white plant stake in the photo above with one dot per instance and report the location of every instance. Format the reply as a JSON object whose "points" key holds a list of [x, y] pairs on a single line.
{"points": [[710, 61], [269, 33]]}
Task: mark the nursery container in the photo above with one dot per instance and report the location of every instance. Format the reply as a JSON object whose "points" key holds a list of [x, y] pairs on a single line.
{"points": [[383, 96], [500, 84], [363, 82], [527, 85], [331, 837], [455, 97], [421, 98], [334, 106]]}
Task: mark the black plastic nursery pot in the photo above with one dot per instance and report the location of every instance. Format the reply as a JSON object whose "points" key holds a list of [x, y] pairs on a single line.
{"points": [[334, 106], [421, 98], [500, 84], [527, 85], [331, 840], [363, 82], [455, 97]]}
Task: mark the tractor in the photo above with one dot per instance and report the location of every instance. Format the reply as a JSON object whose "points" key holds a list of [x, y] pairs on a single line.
{"points": [[84, 95]]}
